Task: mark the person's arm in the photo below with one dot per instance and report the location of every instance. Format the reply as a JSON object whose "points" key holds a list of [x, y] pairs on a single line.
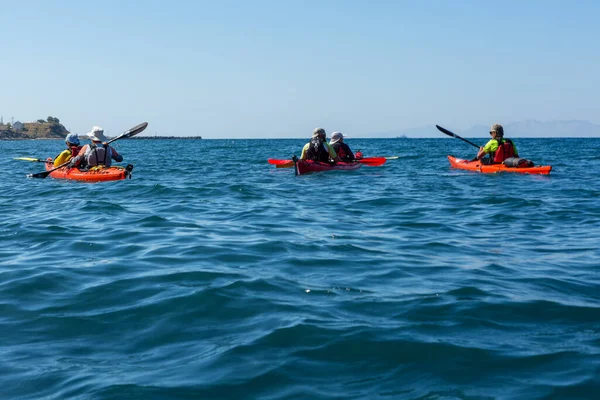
{"points": [[349, 153], [332, 152], [481, 153], [75, 161], [115, 155], [304, 150], [486, 149]]}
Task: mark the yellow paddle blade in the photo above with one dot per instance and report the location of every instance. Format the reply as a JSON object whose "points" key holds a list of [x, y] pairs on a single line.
{"points": [[29, 159]]}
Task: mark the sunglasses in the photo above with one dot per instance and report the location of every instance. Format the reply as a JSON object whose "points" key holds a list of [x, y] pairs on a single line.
{"points": [[492, 132]]}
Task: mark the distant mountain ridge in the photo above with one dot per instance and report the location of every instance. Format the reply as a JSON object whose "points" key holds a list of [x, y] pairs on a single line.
{"points": [[528, 128]]}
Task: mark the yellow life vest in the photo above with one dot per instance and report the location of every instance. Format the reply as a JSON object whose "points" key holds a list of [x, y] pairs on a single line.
{"points": [[62, 158]]}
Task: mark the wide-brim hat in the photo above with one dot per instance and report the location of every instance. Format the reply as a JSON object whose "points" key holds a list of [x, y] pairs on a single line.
{"points": [[97, 134], [319, 132], [336, 137]]}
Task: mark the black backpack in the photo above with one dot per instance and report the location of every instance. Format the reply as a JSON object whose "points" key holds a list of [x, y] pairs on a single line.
{"points": [[317, 151]]}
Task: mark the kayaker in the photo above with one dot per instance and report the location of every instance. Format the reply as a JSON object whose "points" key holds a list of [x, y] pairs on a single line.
{"points": [[498, 148], [341, 149], [96, 153], [318, 149], [73, 149]]}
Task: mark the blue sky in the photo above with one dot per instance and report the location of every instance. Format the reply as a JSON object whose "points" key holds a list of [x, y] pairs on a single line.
{"points": [[266, 69]]}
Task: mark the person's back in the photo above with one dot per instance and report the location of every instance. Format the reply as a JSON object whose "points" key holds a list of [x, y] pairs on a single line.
{"points": [[98, 154], [341, 149], [498, 148], [506, 149], [317, 151]]}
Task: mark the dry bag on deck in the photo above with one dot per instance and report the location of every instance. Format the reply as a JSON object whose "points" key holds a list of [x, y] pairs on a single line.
{"points": [[516, 162]]}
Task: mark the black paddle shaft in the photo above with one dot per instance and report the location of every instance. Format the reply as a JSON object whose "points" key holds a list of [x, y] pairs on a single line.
{"points": [[447, 132]]}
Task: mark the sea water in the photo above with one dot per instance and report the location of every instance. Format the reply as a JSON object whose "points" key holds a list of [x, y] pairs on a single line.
{"points": [[214, 275]]}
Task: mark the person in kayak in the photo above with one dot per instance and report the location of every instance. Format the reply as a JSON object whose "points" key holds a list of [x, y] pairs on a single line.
{"points": [[318, 149], [498, 148], [96, 153], [341, 149], [73, 149]]}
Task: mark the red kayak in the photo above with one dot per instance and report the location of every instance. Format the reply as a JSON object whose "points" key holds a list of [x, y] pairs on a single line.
{"points": [[369, 161], [493, 168], [307, 166]]}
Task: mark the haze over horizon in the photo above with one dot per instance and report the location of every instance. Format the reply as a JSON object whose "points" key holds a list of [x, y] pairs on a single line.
{"points": [[268, 69]]}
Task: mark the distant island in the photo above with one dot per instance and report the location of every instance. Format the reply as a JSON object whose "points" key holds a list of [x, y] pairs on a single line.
{"points": [[50, 128]]}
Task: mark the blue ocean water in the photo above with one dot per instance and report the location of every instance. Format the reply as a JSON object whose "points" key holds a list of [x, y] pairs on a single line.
{"points": [[213, 275]]}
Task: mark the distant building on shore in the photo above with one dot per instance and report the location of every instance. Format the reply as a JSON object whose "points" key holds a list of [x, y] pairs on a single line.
{"points": [[18, 126]]}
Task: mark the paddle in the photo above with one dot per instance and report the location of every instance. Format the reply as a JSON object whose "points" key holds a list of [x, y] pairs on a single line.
{"points": [[359, 153], [373, 161], [275, 161], [368, 161], [295, 161], [30, 159], [447, 132], [132, 132]]}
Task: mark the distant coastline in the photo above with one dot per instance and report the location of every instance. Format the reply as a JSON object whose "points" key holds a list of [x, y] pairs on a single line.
{"points": [[165, 137], [50, 128]]}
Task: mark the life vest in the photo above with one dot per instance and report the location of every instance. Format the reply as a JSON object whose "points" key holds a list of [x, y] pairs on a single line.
{"points": [[98, 155], [66, 155], [504, 151], [343, 151], [75, 150], [317, 151]]}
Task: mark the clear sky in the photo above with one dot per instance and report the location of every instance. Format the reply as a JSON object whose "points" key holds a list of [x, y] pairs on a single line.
{"points": [[280, 68]]}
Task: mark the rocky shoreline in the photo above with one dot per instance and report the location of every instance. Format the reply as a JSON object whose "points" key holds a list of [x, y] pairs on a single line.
{"points": [[51, 128]]}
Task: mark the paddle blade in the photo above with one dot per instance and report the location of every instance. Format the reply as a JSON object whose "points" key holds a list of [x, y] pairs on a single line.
{"points": [[45, 174], [132, 132], [275, 161], [29, 159], [446, 131], [40, 175], [372, 161], [392, 158]]}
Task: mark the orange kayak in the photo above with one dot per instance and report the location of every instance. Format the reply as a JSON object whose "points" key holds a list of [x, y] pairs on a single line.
{"points": [[493, 168], [113, 173]]}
